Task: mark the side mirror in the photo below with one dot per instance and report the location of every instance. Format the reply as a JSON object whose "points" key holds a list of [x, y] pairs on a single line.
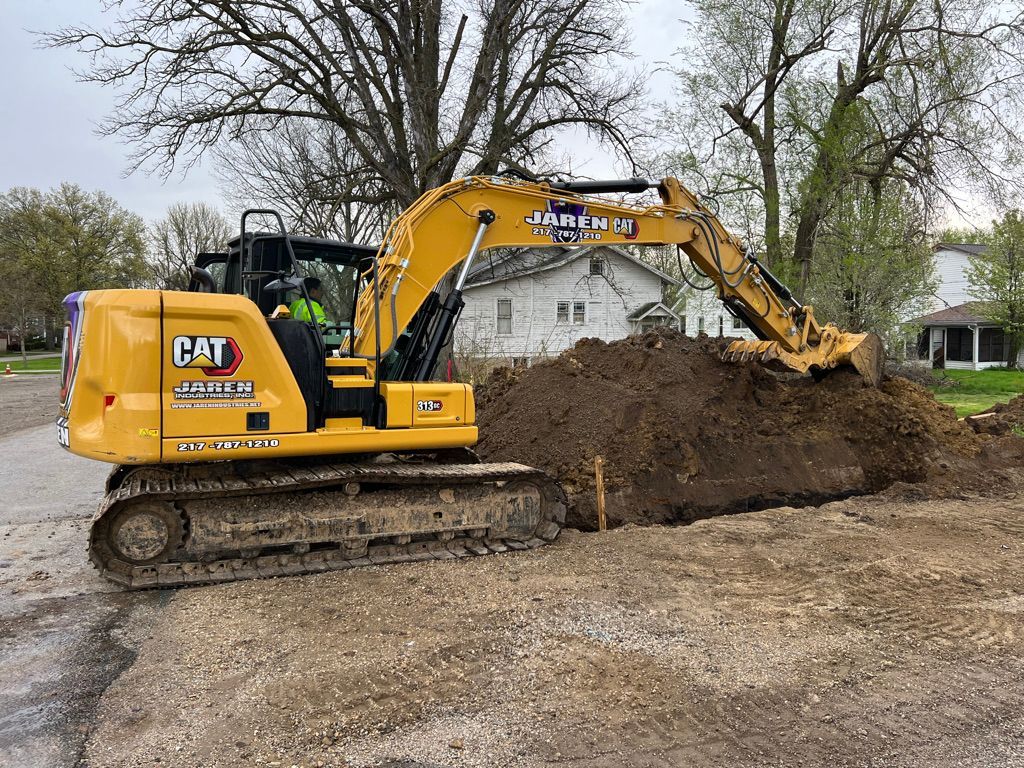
{"points": [[284, 284]]}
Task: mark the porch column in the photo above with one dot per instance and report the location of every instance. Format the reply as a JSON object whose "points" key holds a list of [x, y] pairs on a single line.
{"points": [[974, 334]]}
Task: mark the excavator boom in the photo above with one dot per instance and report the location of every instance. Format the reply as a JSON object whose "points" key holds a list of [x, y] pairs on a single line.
{"points": [[453, 223]]}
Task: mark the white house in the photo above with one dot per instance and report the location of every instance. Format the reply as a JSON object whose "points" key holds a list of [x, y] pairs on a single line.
{"points": [[531, 303], [951, 265], [962, 337], [704, 313], [956, 333]]}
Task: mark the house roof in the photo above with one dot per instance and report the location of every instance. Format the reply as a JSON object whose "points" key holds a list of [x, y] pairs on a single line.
{"points": [[493, 268], [972, 249], [971, 313], [649, 308]]}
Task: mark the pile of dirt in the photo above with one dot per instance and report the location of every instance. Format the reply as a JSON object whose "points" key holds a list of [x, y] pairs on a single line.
{"points": [[685, 436], [1000, 419]]}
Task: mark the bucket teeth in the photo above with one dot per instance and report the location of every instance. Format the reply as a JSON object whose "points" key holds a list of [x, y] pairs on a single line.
{"points": [[742, 351], [861, 351]]}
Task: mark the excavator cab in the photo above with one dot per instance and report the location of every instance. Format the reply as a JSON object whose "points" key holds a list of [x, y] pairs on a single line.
{"points": [[270, 258], [271, 269]]}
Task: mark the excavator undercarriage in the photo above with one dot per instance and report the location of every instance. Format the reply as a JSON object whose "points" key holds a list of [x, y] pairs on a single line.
{"points": [[172, 525]]}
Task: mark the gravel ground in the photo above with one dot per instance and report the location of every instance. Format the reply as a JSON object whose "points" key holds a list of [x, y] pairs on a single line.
{"points": [[65, 633], [880, 631], [28, 400]]}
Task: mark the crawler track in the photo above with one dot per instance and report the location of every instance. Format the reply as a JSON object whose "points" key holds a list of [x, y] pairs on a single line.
{"points": [[204, 524]]}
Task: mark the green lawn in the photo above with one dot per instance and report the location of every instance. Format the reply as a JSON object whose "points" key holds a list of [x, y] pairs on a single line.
{"points": [[976, 391], [34, 364], [30, 353]]}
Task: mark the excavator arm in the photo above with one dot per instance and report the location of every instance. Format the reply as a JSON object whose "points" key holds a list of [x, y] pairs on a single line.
{"points": [[453, 223]]}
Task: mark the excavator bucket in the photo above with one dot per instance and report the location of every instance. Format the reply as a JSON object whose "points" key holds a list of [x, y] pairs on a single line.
{"points": [[864, 352]]}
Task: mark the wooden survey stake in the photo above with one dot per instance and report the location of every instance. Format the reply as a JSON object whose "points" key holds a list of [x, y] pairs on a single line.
{"points": [[602, 521]]}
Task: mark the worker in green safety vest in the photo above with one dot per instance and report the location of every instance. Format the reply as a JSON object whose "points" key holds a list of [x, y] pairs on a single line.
{"points": [[299, 308]]}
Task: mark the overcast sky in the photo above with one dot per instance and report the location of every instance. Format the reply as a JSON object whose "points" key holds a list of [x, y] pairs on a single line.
{"points": [[47, 132]]}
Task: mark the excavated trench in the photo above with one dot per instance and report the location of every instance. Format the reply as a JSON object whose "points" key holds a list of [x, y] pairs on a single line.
{"points": [[685, 436]]}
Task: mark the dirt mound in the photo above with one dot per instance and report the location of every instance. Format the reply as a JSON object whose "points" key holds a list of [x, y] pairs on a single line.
{"points": [[686, 436], [1000, 419]]}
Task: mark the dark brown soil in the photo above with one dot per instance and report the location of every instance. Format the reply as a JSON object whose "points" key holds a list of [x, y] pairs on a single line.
{"points": [[686, 436], [1000, 419]]}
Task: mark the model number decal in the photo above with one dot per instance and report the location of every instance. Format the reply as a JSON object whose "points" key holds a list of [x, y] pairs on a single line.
{"points": [[229, 445], [429, 405]]}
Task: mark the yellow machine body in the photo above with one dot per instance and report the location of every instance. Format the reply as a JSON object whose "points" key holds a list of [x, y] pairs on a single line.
{"points": [[250, 445], [156, 377]]}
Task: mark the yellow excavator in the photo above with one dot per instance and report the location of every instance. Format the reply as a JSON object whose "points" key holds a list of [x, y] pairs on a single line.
{"points": [[253, 438]]}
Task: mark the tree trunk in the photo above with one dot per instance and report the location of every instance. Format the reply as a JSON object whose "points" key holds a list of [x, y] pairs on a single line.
{"points": [[24, 339], [772, 213], [803, 249], [48, 331]]}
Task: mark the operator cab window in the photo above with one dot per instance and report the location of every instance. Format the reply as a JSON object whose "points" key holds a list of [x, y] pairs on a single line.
{"points": [[338, 284]]}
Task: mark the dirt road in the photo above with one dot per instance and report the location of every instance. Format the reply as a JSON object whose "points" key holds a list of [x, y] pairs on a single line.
{"points": [[873, 631], [27, 400], [64, 633]]}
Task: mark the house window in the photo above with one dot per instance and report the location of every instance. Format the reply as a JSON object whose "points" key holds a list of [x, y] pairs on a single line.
{"points": [[563, 312], [653, 322], [737, 324], [700, 325], [504, 317], [682, 323], [960, 344], [596, 266], [721, 326], [993, 346], [579, 312], [520, 362]]}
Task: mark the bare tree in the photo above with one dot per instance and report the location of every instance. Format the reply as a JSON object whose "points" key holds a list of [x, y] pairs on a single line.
{"points": [[306, 170], [187, 230], [420, 91]]}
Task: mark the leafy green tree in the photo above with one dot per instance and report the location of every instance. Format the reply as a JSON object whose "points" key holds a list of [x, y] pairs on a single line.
{"points": [[187, 229], [68, 240], [996, 279], [968, 235], [873, 265], [790, 103], [19, 300]]}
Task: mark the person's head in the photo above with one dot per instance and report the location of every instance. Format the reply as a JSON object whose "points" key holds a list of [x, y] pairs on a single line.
{"points": [[313, 287]]}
